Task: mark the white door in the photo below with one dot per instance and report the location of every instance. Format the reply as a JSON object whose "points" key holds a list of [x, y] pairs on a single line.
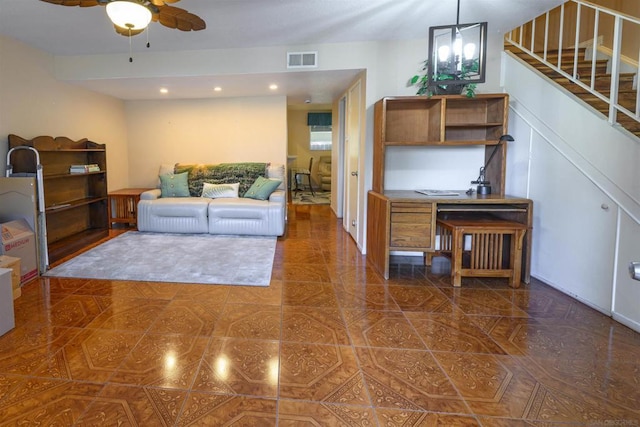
{"points": [[352, 148], [574, 229], [342, 111], [626, 298]]}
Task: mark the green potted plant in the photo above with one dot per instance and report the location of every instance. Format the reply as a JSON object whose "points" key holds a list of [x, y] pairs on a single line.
{"points": [[444, 73]]}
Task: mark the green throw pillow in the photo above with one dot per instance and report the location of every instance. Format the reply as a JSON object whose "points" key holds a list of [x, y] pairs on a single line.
{"points": [[262, 188], [174, 185]]}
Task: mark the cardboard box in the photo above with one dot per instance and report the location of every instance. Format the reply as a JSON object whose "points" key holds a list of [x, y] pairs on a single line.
{"points": [[7, 318], [19, 241], [13, 264]]}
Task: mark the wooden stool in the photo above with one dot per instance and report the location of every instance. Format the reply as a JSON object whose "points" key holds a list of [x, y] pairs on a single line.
{"points": [[488, 253]]}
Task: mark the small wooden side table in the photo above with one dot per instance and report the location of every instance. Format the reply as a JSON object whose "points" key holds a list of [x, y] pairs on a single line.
{"points": [[490, 254], [123, 206]]}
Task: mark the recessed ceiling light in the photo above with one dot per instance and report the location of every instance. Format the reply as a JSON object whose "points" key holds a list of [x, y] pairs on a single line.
{"points": [[273, 86], [217, 88], [164, 90]]}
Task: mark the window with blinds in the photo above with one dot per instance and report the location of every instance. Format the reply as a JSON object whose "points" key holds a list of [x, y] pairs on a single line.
{"points": [[320, 137]]}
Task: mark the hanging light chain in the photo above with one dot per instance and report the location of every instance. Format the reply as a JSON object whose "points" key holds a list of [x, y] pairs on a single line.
{"points": [[130, 47]]}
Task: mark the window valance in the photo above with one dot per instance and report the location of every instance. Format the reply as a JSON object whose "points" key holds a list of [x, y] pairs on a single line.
{"points": [[319, 119]]}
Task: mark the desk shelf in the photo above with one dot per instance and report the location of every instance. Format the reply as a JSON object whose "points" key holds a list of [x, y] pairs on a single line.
{"points": [[448, 120]]}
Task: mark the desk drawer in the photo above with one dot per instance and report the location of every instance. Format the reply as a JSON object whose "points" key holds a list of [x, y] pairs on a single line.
{"points": [[418, 208], [411, 225], [410, 218], [411, 235]]}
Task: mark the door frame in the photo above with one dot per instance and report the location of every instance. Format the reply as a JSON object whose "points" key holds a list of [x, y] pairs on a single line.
{"points": [[341, 169], [352, 142]]}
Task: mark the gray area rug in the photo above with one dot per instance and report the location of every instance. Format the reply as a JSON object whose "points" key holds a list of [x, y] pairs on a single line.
{"points": [[306, 198], [181, 258]]}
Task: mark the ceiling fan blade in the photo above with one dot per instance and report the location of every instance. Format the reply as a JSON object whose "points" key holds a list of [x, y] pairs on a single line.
{"points": [[162, 2], [169, 16], [81, 3], [174, 17]]}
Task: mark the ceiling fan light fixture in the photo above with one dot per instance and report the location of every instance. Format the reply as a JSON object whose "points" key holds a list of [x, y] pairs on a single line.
{"points": [[129, 14]]}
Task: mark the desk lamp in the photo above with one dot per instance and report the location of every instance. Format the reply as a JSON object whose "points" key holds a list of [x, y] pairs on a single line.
{"points": [[484, 186]]}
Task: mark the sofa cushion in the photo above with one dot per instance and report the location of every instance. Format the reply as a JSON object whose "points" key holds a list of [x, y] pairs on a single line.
{"points": [[247, 216], [223, 173], [174, 185], [244, 208], [217, 191], [262, 188], [174, 215]]}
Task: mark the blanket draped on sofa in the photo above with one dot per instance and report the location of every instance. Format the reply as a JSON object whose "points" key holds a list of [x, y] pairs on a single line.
{"points": [[223, 173]]}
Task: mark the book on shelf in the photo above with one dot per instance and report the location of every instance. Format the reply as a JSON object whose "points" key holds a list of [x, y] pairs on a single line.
{"points": [[438, 192], [84, 168]]}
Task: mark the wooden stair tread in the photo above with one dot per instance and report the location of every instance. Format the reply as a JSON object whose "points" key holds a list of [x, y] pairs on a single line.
{"points": [[602, 85]]}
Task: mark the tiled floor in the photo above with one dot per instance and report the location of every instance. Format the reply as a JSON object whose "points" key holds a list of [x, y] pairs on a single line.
{"points": [[329, 343]]}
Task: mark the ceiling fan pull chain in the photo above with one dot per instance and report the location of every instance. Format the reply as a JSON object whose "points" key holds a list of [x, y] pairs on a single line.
{"points": [[130, 50], [147, 31]]}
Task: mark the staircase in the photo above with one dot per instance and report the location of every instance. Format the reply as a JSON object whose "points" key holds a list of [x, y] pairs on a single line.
{"points": [[608, 33], [602, 82]]}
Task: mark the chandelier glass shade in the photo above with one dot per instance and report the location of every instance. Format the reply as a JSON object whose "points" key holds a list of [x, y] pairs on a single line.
{"points": [[129, 14]]}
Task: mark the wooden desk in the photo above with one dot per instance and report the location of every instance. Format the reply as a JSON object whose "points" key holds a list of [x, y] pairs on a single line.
{"points": [[405, 221], [123, 206]]}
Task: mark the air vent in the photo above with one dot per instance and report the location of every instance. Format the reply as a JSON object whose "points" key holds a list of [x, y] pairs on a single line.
{"points": [[302, 59]]}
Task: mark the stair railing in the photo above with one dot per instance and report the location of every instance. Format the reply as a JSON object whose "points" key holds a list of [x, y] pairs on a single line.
{"points": [[556, 36]]}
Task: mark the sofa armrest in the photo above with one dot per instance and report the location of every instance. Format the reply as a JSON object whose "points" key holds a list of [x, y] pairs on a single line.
{"points": [[277, 196], [151, 194]]}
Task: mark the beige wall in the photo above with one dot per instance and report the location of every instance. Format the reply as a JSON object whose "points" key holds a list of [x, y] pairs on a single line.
{"points": [[252, 129], [208, 130], [33, 103], [298, 140]]}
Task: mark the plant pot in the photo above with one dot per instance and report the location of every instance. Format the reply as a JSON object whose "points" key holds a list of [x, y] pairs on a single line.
{"points": [[449, 89]]}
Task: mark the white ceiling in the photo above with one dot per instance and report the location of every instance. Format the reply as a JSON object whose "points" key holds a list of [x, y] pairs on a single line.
{"points": [[63, 31]]}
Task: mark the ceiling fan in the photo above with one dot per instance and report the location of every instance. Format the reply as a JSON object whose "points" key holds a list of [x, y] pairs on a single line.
{"points": [[123, 12]]}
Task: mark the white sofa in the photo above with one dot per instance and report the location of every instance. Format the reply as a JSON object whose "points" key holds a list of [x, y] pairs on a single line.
{"points": [[241, 216]]}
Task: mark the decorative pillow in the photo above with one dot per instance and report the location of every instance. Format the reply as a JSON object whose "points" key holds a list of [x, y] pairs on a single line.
{"points": [[165, 169], [174, 185], [219, 191], [262, 188], [276, 171]]}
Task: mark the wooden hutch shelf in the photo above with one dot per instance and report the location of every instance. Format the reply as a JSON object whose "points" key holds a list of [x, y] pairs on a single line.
{"points": [[449, 120], [75, 203]]}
